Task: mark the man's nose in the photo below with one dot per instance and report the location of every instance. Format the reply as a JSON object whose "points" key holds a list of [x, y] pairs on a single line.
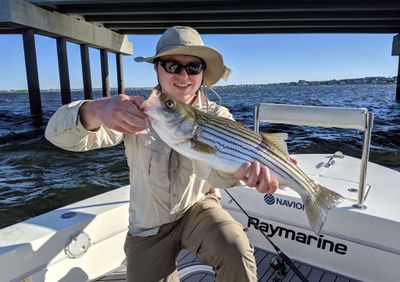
{"points": [[183, 73]]}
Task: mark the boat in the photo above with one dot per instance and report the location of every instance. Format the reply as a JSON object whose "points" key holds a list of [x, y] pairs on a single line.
{"points": [[360, 240], [83, 241]]}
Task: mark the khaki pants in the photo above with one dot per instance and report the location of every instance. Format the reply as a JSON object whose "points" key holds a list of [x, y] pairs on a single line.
{"points": [[207, 230]]}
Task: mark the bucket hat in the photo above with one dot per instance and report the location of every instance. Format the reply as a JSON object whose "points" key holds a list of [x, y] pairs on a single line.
{"points": [[184, 40]]}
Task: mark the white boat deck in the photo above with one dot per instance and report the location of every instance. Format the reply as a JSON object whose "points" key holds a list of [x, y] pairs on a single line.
{"points": [[264, 270], [68, 244]]}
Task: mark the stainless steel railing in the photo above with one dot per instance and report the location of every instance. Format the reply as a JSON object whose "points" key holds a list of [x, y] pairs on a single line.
{"points": [[351, 118]]}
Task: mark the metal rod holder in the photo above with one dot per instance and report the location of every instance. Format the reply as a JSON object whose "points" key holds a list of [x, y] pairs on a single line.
{"points": [[364, 159], [256, 119]]}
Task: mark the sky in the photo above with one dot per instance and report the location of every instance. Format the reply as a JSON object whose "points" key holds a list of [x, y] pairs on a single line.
{"points": [[254, 59]]}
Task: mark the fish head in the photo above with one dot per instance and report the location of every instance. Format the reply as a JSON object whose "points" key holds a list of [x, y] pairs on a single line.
{"points": [[173, 120]]}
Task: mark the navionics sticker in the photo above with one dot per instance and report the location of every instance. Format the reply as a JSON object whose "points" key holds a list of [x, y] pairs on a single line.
{"points": [[272, 200]]}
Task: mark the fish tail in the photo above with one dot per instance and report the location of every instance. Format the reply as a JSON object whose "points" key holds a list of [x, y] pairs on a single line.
{"points": [[318, 205]]}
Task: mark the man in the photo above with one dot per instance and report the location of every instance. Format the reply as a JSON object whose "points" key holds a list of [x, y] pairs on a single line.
{"points": [[171, 207]]}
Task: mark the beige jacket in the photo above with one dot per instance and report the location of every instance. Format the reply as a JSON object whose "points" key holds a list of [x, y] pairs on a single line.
{"points": [[164, 184]]}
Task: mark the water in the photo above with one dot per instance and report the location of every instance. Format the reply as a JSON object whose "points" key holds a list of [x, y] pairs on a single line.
{"points": [[36, 177]]}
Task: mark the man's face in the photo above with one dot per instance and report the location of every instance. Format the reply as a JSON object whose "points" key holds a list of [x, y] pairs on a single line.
{"points": [[179, 85]]}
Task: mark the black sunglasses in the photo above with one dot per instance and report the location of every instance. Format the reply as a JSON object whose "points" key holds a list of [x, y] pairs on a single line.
{"points": [[176, 67]]}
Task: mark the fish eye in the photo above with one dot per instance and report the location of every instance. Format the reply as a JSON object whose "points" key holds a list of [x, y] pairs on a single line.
{"points": [[169, 103]]}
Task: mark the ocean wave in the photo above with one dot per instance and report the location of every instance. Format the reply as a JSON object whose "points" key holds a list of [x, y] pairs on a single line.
{"points": [[34, 171]]}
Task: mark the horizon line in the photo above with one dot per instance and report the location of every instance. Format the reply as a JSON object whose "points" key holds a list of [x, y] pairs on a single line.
{"points": [[301, 82]]}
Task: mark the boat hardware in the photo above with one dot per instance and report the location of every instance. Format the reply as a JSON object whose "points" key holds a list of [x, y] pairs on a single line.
{"points": [[78, 245], [364, 160], [68, 215], [331, 161], [284, 257]]}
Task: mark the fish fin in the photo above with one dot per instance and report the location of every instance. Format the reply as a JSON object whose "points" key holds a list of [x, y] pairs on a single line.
{"points": [[277, 140], [318, 205], [202, 147]]}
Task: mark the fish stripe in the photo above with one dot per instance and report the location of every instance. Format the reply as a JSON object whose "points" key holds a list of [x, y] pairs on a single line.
{"points": [[231, 128], [250, 152], [250, 136], [221, 132]]}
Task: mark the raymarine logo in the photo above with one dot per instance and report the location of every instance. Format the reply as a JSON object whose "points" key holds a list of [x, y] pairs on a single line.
{"points": [[319, 242], [271, 200]]}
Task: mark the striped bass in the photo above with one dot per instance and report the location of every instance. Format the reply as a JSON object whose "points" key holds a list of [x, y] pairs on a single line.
{"points": [[225, 145]]}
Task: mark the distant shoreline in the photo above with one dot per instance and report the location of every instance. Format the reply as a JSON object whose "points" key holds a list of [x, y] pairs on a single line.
{"points": [[348, 81]]}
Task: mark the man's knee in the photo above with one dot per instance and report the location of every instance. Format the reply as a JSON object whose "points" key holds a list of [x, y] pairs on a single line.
{"points": [[237, 251], [228, 244]]}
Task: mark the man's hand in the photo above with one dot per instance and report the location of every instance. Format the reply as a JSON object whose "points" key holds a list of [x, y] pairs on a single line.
{"points": [[257, 176], [121, 113]]}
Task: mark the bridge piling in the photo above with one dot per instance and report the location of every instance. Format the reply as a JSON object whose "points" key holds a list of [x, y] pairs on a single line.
{"points": [[105, 79], [87, 81], [32, 72], [63, 70], [120, 73]]}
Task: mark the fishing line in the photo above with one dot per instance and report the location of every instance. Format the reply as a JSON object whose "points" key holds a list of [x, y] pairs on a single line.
{"points": [[285, 258], [215, 93]]}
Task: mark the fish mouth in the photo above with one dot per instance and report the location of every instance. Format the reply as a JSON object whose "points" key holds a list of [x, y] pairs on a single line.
{"points": [[152, 102], [144, 107]]}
